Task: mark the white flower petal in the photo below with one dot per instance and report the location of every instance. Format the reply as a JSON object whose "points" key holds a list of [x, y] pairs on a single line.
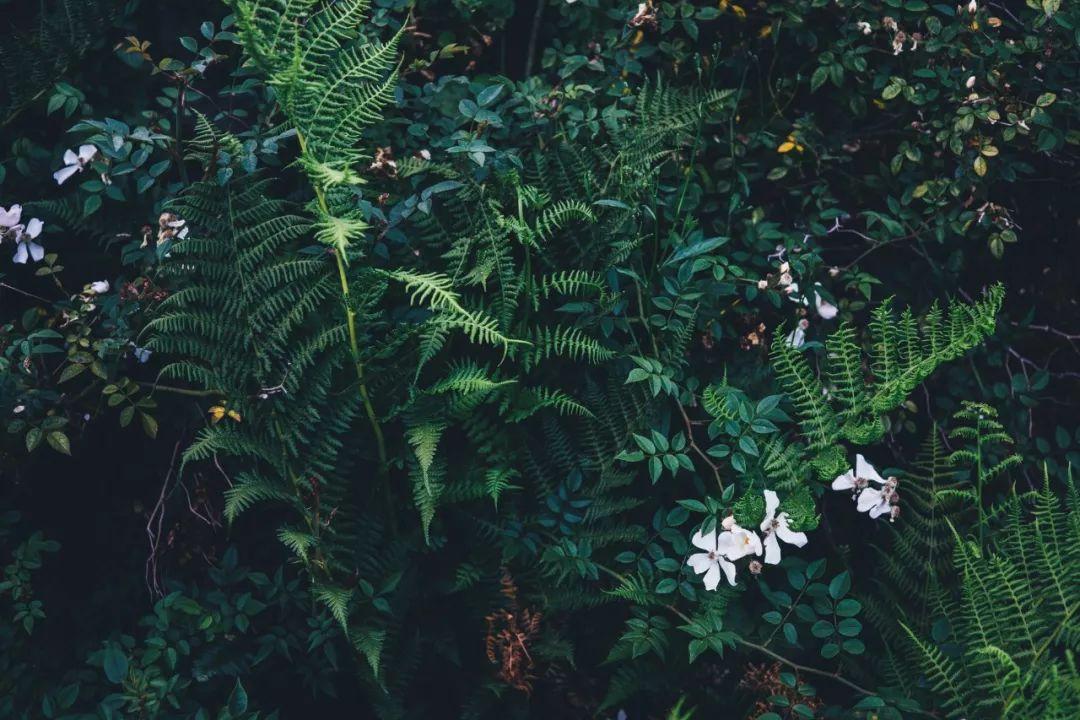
{"points": [[739, 543], [86, 153], [33, 228], [64, 174], [824, 308], [70, 158], [845, 481], [706, 542], [700, 562], [729, 571], [785, 533], [36, 251], [772, 549], [100, 286], [868, 498], [882, 508], [866, 471], [712, 577], [20, 254], [796, 338], [10, 218], [772, 502]]}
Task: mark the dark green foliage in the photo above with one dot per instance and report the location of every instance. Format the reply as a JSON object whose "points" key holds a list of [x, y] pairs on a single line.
{"points": [[537, 336], [44, 40]]}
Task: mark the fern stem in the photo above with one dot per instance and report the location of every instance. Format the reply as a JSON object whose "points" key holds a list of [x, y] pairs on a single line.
{"points": [[350, 317]]}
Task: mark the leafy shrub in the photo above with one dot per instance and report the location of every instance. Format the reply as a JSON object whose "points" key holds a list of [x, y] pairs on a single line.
{"points": [[549, 341]]}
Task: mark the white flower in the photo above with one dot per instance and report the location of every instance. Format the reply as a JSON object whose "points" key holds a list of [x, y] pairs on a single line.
{"points": [[74, 163], [711, 562], [141, 354], [970, 82], [864, 27], [23, 235], [824, 308], [777, 526], [797, 337], [10, 218], [876, 501], [738, 542], [100, 286], [972, 7], [762, 284]]}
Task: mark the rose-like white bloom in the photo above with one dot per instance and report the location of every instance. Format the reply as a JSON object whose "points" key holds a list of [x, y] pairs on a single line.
{"points": [[777, 527], [970, 82], [864, 27], [738, 542], [711, 562], [877, 501], [973, 7], [762, 284], [99, 287], [22, 235], [74, 163]]}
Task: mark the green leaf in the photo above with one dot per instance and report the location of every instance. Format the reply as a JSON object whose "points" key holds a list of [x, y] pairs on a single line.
{"points": [[489, 94], [238, 699], [59, 442], [115, 663], [840, 585]]}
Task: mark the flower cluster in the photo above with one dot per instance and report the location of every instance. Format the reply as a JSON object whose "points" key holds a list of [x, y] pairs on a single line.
{"points": [[23, 235], [877, 501], [734, 543]]}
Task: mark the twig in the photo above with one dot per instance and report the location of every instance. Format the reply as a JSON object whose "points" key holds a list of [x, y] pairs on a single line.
{"points": [[152, 580], [23, 292], [694, 446]]}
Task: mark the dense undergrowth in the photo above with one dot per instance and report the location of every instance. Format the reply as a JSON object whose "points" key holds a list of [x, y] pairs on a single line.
{"points": [[479, 359]]}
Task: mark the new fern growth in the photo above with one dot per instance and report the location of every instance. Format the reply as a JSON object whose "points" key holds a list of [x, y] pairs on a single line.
{"points": [[904, 351]]}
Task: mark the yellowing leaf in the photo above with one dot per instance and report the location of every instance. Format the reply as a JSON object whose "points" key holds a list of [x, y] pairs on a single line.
{"points": [[786, 146], [980, 166]]}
